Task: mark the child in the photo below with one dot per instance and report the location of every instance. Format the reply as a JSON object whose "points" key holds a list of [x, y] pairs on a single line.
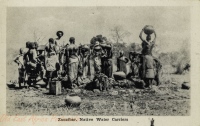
{"points": [[20, 61]]}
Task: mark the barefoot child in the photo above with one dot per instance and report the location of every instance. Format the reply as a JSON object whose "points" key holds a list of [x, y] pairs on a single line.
{"points": [[20, 61]]}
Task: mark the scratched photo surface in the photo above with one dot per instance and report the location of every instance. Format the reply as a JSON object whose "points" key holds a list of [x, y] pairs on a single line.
{"points": [[104, 62]]}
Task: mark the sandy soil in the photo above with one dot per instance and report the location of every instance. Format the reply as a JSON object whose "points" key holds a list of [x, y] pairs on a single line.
{"points": [[167, 99]]}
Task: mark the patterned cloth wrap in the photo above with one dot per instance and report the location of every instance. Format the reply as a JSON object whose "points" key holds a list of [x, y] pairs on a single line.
{"points": [[21, 75], [97, 64], [73, 68], [51, 63], [149, 66]]}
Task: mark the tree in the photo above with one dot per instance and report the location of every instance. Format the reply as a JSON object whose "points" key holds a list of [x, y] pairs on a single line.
{"points": [[118, 34], [38, 37]]}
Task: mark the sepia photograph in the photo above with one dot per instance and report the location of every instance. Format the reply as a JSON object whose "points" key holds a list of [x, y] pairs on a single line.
{"points": [[98, 61]]}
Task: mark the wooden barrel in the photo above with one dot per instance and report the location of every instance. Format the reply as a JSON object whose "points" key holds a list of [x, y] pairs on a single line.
{"points": [[55, 88]]}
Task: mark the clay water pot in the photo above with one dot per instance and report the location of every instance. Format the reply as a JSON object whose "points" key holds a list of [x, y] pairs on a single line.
{"points": [[72, 100], [120, 75], [148, 30], [10, 85], [185, 85]]}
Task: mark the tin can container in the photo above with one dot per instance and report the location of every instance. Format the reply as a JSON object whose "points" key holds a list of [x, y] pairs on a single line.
{"points": [[55, 88]]}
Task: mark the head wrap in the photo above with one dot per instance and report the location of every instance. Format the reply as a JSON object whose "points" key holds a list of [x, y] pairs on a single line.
{"points": [[51, 40], [71, 39]]}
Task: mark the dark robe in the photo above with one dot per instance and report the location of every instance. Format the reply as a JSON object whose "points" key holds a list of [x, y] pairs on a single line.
{"points": [[107, 67], [97, 52], [73, 62]]}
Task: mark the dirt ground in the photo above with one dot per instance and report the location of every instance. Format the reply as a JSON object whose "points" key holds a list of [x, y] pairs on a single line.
{"points": [[168, 99]]}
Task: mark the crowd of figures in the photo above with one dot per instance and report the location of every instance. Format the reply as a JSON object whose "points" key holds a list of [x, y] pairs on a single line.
{"points": [[74, 65]]}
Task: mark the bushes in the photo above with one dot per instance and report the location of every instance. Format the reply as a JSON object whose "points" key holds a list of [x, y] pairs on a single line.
{"points": [[177, 59], [126, 48]]}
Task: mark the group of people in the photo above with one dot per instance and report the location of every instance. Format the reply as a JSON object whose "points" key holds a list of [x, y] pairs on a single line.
{"points": [[68, 62]]}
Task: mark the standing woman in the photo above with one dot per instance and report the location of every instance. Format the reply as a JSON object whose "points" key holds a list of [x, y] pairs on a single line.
{"points": [[84, 65], [73, 61], [51, 60], [148, 64], [107, 60], [84, 60], [97, 53], [31, 57]]}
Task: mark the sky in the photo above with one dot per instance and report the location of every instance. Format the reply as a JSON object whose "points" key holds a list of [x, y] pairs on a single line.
{"points": [[172, 24]]}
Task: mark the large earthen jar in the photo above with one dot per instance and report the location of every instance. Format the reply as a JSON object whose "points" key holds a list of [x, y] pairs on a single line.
{"points": [[148, 30]]}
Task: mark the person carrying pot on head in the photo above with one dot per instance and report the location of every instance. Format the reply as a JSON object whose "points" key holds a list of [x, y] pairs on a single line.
{"points": [[148, 63], [148, 44]]}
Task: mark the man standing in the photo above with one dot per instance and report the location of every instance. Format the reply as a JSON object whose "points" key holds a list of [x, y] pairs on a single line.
{"points": [[59, 43]]}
